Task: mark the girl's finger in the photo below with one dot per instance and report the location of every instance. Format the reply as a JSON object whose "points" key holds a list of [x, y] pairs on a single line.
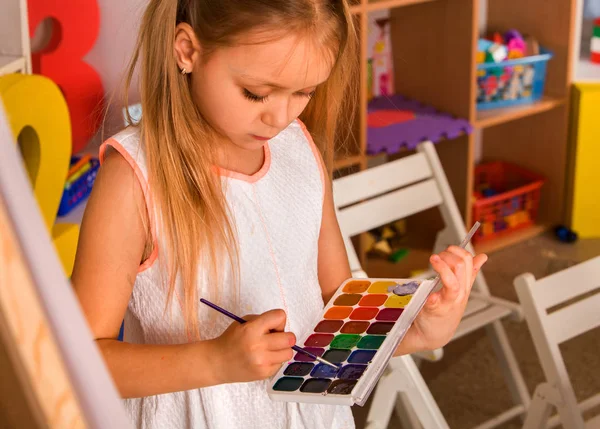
{"points": [[464, 270], [451, 287], [432, 301], [280, 340], [280, 356], [450, 258], [459, 251], [478, 262], [457, 265], [464, 255]]}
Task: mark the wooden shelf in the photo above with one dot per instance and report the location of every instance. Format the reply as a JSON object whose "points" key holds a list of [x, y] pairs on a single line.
{"points": [[488, 118], [424, 71], [511, 239], [348, 161], [385, 4], [11, 64]]}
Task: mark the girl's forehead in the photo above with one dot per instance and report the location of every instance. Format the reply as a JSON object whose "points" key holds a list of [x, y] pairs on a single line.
{"points": [[290, 62]]}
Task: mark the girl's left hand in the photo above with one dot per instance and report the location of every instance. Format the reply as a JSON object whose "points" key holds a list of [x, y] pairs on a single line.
{"points": [[436, 323]]}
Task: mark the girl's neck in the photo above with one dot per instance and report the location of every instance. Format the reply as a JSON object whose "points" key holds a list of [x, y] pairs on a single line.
{"points": [[238, 160]]}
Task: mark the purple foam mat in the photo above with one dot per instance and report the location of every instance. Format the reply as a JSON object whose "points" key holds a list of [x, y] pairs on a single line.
{"points": [[429, 125]]}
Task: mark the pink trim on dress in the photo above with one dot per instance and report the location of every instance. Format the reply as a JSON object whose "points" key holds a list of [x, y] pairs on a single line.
{"points": [[249, 178], [147, 196]]}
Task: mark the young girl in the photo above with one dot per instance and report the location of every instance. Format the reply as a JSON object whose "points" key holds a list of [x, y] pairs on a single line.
{"points": [[219, 192]]}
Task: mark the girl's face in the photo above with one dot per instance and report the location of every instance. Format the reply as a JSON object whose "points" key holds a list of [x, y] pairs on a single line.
{"points": [[250, 93]]}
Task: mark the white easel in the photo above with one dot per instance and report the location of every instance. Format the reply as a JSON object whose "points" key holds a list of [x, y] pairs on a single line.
{"points": [[43, 327]]}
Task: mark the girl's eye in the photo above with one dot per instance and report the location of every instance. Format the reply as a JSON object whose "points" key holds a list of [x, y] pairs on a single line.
{"points": [[253, 97], [309, 95]]}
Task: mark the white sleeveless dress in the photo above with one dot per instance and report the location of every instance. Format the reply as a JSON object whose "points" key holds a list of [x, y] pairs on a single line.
{"points": [[277, 216]]}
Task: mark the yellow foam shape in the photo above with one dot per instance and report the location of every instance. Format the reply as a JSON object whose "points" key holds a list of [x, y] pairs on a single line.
{"points": [[38, 116]]}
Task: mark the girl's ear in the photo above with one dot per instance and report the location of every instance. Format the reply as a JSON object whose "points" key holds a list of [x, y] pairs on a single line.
{"points": [[187, 48]]}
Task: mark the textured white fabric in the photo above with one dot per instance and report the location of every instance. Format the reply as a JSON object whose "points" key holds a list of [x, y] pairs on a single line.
{"points": [[277, 214]]}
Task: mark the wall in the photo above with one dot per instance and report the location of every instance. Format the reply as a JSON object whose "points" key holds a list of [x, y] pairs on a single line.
{"points": [[118, 31]]}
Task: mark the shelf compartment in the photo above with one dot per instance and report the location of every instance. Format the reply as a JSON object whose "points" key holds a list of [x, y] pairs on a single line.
{"points": [[536, 146], [488, 118], [413, 123]]}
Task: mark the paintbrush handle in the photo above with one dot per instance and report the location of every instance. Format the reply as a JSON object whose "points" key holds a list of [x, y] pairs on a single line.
{"points": [[223, 311], [306, 352]]}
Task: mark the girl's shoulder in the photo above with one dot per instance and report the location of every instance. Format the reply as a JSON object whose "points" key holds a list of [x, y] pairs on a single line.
{"points": [[127, 143]]}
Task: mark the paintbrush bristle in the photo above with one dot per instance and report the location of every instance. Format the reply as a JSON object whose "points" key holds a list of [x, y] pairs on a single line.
{"points": [[326, 362]]}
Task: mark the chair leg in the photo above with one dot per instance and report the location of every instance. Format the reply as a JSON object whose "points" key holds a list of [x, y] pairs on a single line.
{"points": [[404, 376], [384, 398], [508, 363], [406, 413], [540, 409]]}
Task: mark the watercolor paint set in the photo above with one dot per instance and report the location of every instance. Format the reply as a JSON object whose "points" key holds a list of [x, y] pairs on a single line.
{"points": [[359, 330]]}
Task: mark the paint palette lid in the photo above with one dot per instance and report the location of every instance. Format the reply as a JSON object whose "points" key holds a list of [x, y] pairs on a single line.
{"points": [[359, 329]]}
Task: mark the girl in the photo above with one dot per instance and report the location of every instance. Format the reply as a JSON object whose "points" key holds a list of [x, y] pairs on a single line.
{"points": [[220, 192]]}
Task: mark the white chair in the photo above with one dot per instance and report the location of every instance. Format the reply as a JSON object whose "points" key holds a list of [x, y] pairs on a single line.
{"points": [[551, 328], [395, 190]]}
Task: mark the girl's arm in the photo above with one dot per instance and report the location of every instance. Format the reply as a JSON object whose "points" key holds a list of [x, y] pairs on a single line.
{"points": [[333, 265], [111, 246]]}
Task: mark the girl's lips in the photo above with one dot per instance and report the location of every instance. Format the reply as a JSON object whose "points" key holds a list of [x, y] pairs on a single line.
{"points": [[260, 138]]}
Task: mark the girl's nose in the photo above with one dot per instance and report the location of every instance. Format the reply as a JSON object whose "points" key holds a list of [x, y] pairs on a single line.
{"points": [[277, 115]]}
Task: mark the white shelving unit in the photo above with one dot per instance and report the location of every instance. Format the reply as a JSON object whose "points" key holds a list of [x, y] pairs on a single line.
{"points": [[583, 69], [15, 49]]}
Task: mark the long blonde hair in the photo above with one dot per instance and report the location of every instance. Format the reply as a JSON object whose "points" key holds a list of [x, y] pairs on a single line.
{"points": [[179, 143]]}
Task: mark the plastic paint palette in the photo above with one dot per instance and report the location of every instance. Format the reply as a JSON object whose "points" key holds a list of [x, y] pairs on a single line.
{"points": [[359, 329]]}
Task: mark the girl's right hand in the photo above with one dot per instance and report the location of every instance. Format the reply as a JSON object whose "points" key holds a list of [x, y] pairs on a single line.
{"points": [[254, 350]]}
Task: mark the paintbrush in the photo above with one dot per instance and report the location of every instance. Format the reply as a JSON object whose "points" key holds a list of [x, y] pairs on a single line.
{"points": [[294, 347]]}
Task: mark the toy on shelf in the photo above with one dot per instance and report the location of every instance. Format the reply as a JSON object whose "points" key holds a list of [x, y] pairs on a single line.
{"points": [[595, 45], [380, 63], [80, 181], [394, 122], [383, 241], [506, 198], [511, 70]]}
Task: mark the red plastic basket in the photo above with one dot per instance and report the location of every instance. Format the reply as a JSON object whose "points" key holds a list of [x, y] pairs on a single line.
{"points": [[507, 198]]}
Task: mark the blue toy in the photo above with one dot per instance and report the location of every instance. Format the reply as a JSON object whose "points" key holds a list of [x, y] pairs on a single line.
{"points": [[565, 234]]}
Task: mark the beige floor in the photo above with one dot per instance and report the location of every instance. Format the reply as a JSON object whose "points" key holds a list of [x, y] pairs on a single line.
{"points": [[467, 383]]}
